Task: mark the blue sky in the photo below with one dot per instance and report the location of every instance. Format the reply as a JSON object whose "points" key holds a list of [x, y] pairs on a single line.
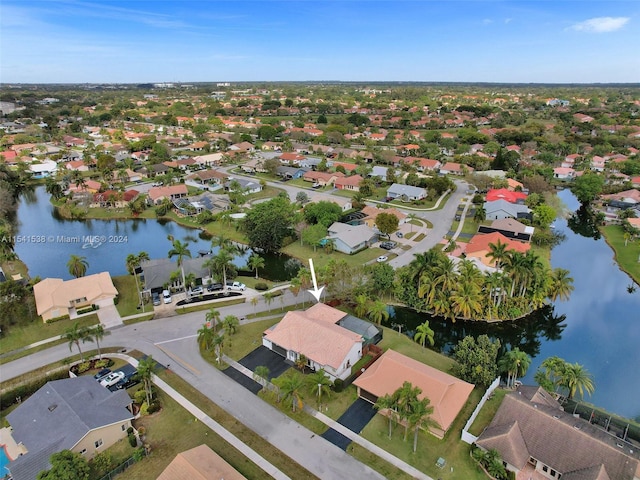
{"points": [[550, 41]]}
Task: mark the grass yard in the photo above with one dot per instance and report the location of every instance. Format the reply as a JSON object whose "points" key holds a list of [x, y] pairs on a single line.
{"points": [[403, 344], [20, 336], [207, 306], [487, 412], [321, 258], [383, 467], [128, 299], [419, 237], [628, 256], [454, 451], [14, 267]]}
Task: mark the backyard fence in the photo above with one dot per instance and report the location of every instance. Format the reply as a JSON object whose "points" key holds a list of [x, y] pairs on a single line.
{"points": [[466, 436]]}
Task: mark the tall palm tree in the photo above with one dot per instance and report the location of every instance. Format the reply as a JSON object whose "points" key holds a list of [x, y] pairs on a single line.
{"points": [[291, 387], [561, 284], [261, 374], [362, 305], [498, 253], [255, 262], [577, 379], [77, 266], [255, 300], [378, 312], [553, 369], [218, 344], [146, 366], [480, 215], [205, 337], [213, 317], [230, 324], [466, 300], [221, 264], [390, 404], [319, 384], [97, 333], [74, 335], [407, 395], [515, 363], [424, 334], [133, 262], [420, 417], [180, 250]]}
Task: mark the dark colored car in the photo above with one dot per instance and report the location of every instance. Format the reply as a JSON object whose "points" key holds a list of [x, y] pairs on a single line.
{"points": [[128, 381], [102, 373], [155, 296], [214, 287], [388, 245]]}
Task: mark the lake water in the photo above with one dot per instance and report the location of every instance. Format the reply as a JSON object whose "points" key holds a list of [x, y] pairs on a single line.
{"points": [[598, 327], [46, 241]]}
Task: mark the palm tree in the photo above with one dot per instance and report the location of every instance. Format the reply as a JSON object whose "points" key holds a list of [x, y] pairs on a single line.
{"points": [[420, 417], [318, 383], [77, 266], [515, 363], [180, 250], [553, 370], [498, 253], [268, 298], [389, 403], [362, 305], [466, 300], [74, 335], [97, 333], [291, 387], [254, 302], [213, 317], [261, 374], [218, 343], [378, 312], [255, 262], [576, 378], [133, 262], [230, 324], [221, 263], [424, 334], [205, 337], [480, 215], [146, 366], [561, 284]]}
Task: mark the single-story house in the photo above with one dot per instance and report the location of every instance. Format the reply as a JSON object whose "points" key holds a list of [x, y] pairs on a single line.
{"points": [[311, 163], [291, 172], [199, 463], [532, 432], [209, 177], [510, 228], [76, 414], [427, 165], [350, 239], [373, 212], [209, 159], [247, 186], [452, 168], [349, 183], [379, 172], [79, 165], [157, 272], [254, 165], [406, 193], [478, 247], [446, 393], [113, 198], [242, 147], [56, 297], [564, 173], [172, 192], [291, 158], [345, 203], [503, 209], [43, 170], [322, 178], [315, 334], [626, 199]]}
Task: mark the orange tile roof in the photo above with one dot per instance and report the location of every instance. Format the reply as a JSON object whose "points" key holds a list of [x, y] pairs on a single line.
{"points": [[446, 393], [315, 335], [478, 246], [199, 463]]}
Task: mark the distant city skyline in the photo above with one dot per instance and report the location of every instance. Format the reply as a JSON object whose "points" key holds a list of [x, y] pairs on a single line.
{"points": [[511, 41]]}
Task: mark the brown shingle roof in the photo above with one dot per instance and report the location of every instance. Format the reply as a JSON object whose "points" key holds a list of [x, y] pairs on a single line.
{"points": [[200, 463], [447, 394], [559, 440]]}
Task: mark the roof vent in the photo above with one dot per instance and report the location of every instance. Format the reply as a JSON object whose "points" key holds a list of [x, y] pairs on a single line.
{"points": [[52, 407], [577, 427], [535, 405], [556, 416]]}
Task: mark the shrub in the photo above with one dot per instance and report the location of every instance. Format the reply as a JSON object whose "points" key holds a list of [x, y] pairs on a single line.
{"points": [[57, 319], [139, 454], [84, 366], [103, 462], [144, 409], [133, 441], [129, 430], [261, 286], [338, 385], [153, 408], [139, 396], [105, 362]]}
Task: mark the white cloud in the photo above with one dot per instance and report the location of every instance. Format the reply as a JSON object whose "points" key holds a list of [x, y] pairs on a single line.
{"points": [[601, 24]]}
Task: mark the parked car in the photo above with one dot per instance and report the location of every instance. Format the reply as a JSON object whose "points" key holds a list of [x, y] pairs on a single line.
{"points": [[197, 291], [102, 373], [236, 286], [112, 379], [214, 287], [128, 381], [399, 234], [388, 245], [382, 258], [155, 296], [166, 296]]}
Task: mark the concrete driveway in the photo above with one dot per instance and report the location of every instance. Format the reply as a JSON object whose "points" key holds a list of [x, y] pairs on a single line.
{"points": [[357, 416]]}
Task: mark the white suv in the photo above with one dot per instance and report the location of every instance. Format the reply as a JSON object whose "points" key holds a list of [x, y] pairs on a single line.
{"points": [[236, 286], [166, 295]]}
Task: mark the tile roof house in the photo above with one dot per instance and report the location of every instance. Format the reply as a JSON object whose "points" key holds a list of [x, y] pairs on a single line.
{"points": [[446, 393], [626, 199], [76, 414], [478, 247], [56, 297], [503, 209], [531, 430], [217, 177], [349, 183], [315, 334], [350, 239], [200, 463], [455, 168], [209, 159], [510, 228], [322, 178], [505, 194], [172, 192], [345, 203], [564, 173], [373, 212]]}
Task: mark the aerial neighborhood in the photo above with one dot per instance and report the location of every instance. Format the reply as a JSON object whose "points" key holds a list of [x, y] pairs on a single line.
{"points": [[340, 280]]}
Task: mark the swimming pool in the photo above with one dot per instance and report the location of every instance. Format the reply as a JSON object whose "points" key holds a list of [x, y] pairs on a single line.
{"points": [[4, 461]]}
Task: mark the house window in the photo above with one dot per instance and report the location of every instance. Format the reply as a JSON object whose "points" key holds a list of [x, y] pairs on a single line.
{"points": [[83, 451], [545, 468], [98, 443], [553, 473], [124, 427]]}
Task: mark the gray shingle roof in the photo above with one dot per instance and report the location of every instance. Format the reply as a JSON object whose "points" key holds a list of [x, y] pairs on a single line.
{"points": [[58, 416]]}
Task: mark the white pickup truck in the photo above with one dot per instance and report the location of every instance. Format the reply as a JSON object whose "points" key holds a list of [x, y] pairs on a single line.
{"points": [[236, 286]]}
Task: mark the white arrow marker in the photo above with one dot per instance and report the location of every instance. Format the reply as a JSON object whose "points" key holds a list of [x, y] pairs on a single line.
{"points": [[315, 292]]}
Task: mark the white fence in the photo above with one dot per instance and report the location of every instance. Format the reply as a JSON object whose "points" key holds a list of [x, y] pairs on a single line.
{"points": [[466, 436]]}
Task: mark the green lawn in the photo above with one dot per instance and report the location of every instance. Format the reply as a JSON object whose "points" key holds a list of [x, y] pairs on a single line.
{"points": [[21, 336], [403, 344], [206, 306], [628, 256], [128, 299], [321, 258], [487, 412]]}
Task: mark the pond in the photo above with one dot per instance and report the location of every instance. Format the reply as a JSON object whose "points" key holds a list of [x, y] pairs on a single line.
{"points": [[46, 241], [598, 327]]}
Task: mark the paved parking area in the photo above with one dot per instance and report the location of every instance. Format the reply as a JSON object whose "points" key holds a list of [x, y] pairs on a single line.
{"points": [[355, 419], [263, 356], [251, 385]]}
